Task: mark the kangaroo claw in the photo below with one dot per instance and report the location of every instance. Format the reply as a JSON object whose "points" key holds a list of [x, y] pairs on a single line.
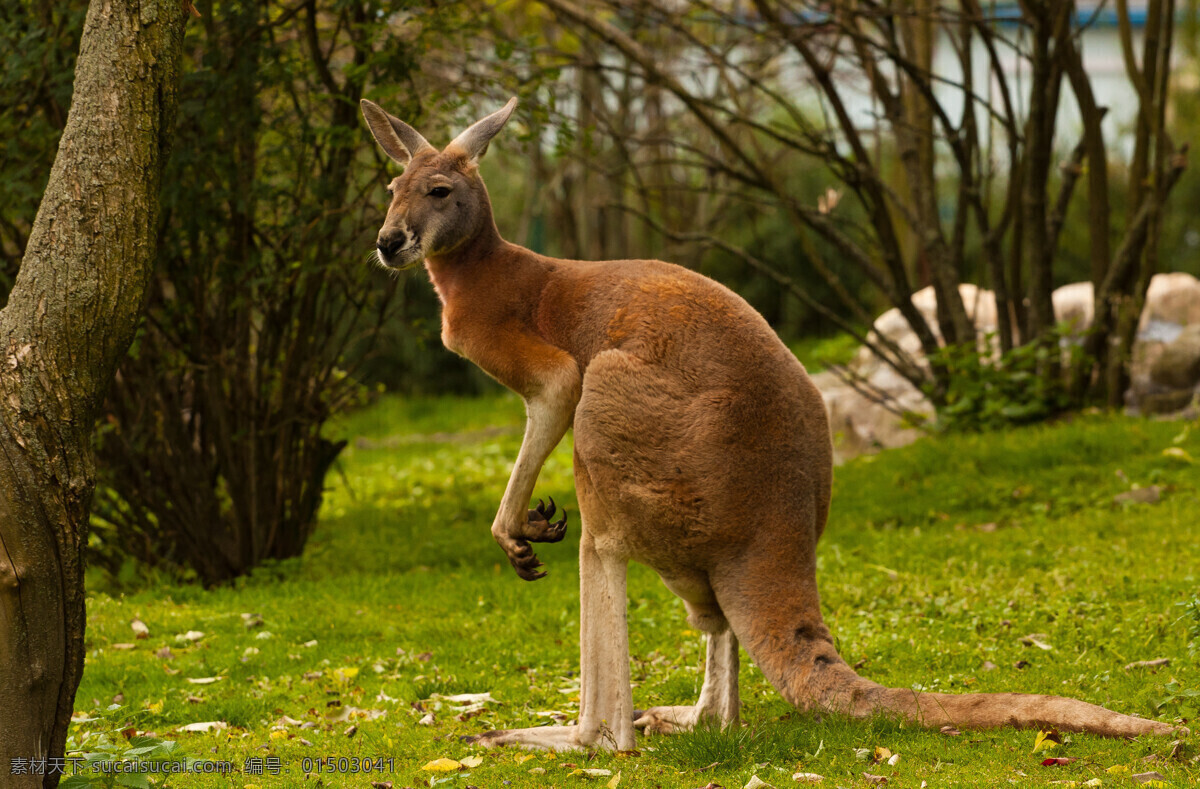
{"points": [[525, 561], [542, 528]]}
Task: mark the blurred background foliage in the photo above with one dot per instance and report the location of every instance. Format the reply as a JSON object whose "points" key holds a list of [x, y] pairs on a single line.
{"points": [[267, 318]]}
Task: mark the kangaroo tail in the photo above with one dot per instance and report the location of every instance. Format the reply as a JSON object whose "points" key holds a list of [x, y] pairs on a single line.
{"points": [[780, 625]]}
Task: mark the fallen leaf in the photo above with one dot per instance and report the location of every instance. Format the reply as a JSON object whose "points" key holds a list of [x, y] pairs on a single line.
{"points": [[1178, 453], [1022, 664], [521, 758], [442, 765], [807, 778], [589, 773], [862, 754], [1046, 739], [203, 680], [191, 635], [1058, 761], [881, 754], [1118, 769], [466, 698], [615, 782], [1162, 661], [875, 779], [121, 646], [309, 644], [139, 628], [205, 726], [344, 674], [351, 731], [252, 620], [471, 761], [988, 666], [950, 731], [757, 783], [1035, 640], [1151, 778], [165, 654], [347, 713], [1150, 495], [893, 760], [428, 720], [381, 785]]}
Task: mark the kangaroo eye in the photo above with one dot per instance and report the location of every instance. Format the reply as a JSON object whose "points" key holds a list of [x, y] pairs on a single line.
{"points": [[439, 192]]}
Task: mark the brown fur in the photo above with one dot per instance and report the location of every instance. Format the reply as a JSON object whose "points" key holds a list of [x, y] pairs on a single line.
{"points": [[701, 450]]}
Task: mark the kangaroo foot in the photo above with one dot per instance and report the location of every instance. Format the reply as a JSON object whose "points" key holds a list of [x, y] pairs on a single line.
{"points": [[549, 738], [668, 720]]}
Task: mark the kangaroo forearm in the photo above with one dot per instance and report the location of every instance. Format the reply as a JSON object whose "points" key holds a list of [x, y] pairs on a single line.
{"points": [[545, 427], [549, 412]]}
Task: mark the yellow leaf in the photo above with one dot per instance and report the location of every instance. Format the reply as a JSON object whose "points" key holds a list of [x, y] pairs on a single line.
{"points": [[524, 757], [471, 761], [1094, 782], [1046, 739], [615, 782], [1178, 453], [882, 754], [279, 734], [345, 674], [442, 766], [155, 707], [1118, 769]]}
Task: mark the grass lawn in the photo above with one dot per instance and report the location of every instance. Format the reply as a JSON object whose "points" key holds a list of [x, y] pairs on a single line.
{"points": [[938, 560]]}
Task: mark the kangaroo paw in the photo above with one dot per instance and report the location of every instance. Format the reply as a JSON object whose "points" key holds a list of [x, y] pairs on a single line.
{"points": [[523, 559], [542, 528]]}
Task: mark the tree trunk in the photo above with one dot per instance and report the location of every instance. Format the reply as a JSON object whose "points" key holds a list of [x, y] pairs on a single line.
{"points": [[68, 321]]}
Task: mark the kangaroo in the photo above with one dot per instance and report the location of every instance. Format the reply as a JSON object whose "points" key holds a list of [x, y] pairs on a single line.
{"points": [[702, 450]]}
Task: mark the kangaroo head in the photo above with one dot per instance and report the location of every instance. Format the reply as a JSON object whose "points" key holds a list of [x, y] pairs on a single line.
{"points": [[439, 203]]}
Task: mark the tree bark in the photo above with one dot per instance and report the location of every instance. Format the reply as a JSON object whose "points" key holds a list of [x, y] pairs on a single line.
{"points": [[68, 321]]}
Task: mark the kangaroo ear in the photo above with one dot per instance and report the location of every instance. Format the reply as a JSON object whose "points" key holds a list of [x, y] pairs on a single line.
{"points": [[399, 140], [474, 141]]}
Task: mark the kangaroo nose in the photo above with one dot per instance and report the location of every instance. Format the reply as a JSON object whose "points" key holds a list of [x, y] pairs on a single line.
{"points": [[389, 245]]}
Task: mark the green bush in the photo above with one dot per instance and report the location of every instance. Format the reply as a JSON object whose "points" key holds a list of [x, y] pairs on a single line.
{"points": [[1018, 387]]}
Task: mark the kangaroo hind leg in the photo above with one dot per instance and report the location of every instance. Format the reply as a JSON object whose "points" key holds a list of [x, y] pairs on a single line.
{"points": [[606, 701], [719, 699]]}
